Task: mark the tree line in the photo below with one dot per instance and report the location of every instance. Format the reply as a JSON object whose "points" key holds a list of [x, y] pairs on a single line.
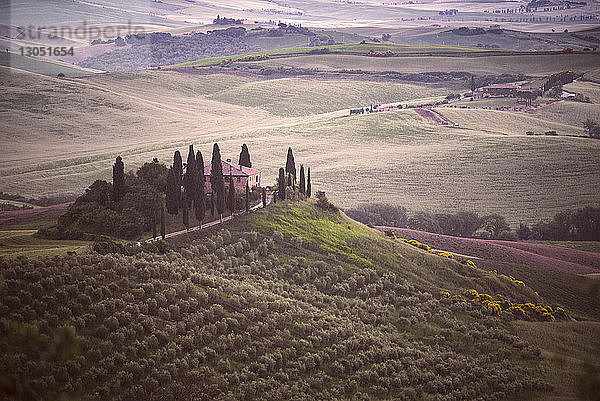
{"points": [[135, 203], [288, 186], [186, 189], [577, 225]]}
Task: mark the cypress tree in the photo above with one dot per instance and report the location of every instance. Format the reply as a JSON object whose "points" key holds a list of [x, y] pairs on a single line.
{"points": [[118, 179], [178, 171], [163, 228], [302, 180], [308, 187], [173, 193], [289, 180], [247, 198], [281, 184], [290, 165], [264, 197], [245, 157], [186, 217], [200, 201], [231, 195], [154, 224], [212, 204], [217, 182], [190, 178]]}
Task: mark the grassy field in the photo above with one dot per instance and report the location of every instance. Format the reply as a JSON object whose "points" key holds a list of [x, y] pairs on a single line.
{"points": [[349, 50], [507, 123], [565, 347], [487, 164], [18, 203], [589, 89], [593, 75], [573, 113], [534, 65], [588, 246], [14, 243], [305, 97], [18, 233]]}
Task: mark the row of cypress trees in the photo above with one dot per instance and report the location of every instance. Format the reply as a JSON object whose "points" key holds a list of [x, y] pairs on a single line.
{"points": [[186, 189], [287, 178]]}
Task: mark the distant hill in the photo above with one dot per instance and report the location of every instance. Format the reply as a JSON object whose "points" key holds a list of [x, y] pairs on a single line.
{"points": [[159, 48]]}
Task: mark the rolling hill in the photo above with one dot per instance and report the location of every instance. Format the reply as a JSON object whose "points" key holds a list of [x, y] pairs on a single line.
{"points": [[293, 299], [148, 114], [561, 274]]}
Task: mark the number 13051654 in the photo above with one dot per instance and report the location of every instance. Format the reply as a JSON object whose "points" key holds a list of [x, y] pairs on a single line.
{"points": [[47, 51]]}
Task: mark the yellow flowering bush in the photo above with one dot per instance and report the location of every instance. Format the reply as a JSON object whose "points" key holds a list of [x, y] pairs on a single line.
{"points": [[498, 304], [258, 57], [387, 53], [446, 255], [419, 245]]}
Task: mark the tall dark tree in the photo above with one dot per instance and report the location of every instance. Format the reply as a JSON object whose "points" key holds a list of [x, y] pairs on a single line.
{"points": [[154, 221], [212, 204], [281, 184], [217, 182], [245, 157], [190, 178], [264, 197], [247, 198], [178, 171], [473, 87], [173, 193], [186, 216], [200, 201], [290, 165], [163, 227], [302, 180], [308, 186], [118, 179], [231, 194]]}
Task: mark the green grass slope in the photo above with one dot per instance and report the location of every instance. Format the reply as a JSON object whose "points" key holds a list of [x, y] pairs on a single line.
{"points": [[291, 300], [352, 243]]}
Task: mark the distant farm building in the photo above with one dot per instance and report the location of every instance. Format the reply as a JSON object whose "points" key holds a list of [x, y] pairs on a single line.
{"points": [[239, 174], [497, 90]]}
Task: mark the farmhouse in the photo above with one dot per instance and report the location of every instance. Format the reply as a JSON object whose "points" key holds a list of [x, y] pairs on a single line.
{"points": [[239, 174], [496, 90]]}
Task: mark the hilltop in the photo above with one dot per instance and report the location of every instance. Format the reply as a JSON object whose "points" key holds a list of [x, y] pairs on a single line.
{"points": [[293, 299]]}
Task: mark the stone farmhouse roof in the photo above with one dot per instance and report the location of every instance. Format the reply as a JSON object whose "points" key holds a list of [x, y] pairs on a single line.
{"points": [[235, 169]]}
